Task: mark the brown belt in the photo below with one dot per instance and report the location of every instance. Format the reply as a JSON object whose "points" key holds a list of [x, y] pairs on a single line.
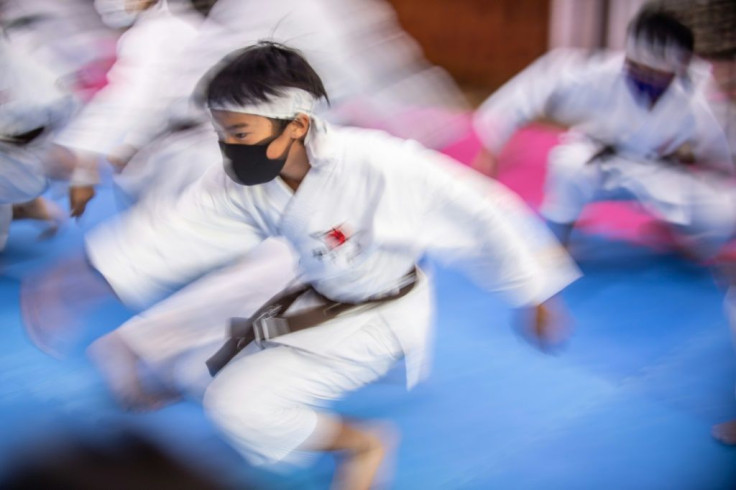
{"points": [[267, 322]]}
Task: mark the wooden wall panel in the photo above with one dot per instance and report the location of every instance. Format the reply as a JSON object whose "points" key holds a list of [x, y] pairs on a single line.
{"points": [[480, 42]]}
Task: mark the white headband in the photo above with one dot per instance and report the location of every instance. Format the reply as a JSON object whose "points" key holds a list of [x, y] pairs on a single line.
{"points": [[671, 58], [290, 102]]}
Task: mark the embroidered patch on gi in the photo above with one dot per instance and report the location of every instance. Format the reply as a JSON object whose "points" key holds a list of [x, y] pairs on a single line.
{"points": [[337, 242], [333, 238], [336, 237]]}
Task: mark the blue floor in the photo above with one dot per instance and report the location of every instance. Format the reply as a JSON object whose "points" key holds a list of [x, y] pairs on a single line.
{"points": [[628, 404]]}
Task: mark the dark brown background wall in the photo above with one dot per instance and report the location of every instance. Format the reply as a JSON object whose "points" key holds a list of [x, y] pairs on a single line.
{"points": [[482, 43]]}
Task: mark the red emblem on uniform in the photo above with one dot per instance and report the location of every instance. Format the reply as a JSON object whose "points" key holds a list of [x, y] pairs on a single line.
{"points": [[335, 237]]}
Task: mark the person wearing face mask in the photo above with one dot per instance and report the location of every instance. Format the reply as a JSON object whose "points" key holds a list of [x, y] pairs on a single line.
{"points": [[359, 208], [639, 128]]}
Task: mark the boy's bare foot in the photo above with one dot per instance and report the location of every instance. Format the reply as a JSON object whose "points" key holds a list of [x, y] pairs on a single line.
{"points": [[43, 210]]}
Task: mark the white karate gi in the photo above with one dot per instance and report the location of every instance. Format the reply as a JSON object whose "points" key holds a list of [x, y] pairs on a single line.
{"points": [[591, 95], [392, 201], [29, 99]]}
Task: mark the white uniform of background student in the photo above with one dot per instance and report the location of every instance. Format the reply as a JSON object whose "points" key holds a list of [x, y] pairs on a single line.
{"points": [[593, 96], [30, 101]]}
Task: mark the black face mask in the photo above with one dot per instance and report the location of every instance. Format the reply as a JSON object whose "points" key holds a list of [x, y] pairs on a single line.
{"points": [[647, 87], [249, 165]]}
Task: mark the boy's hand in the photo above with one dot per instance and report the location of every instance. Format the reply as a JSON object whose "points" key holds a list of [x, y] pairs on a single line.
{"points": [[79, 196], [547, 326]]}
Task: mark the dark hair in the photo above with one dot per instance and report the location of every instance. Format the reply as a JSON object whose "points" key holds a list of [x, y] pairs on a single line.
{"points": [[203, 6], [660, 28], [258, 72]]}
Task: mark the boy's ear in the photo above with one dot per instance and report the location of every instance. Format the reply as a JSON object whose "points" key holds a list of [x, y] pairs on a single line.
{"points": [[299, 126]]}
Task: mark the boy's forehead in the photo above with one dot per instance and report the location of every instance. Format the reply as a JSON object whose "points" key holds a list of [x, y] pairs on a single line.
{"points": [[229, 119]]}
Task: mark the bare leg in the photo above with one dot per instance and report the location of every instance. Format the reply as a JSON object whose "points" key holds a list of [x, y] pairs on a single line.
{"points": [[362, 453]]}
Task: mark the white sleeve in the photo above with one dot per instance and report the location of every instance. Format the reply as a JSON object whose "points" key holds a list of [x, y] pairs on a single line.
{"points": [[481, 227], [710, 147], [29, 95], [525, 97], [149, 251], [140, 92]]}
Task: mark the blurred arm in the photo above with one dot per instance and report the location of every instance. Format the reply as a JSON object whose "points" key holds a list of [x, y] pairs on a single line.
{"points": [[521, 100], [153, 249], [477, 225]]}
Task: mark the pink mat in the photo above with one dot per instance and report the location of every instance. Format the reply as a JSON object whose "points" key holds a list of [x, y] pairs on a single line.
{"points": [[522, 167]]}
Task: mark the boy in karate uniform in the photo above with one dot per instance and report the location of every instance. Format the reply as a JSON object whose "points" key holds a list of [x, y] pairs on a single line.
{"points": [[640, 128], [359, 208]]}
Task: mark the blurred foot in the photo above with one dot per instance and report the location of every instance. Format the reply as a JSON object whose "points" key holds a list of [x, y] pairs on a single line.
{"points": [[725, 432], [43, 210]]}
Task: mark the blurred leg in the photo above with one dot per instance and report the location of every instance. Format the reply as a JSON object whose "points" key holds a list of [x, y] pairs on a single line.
{"points": [[571, 184], [268, 403]]}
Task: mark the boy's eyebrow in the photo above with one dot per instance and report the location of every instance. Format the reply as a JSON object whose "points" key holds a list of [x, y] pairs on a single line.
{"points": [[236, 126]]}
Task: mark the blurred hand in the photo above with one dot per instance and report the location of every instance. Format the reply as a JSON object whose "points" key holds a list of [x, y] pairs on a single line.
{"points": [[546, 326], [121, 155], [79, 196], [486, 163]]}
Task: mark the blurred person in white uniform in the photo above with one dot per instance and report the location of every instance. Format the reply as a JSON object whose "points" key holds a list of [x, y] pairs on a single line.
{"points": [[136, 99], [640, 128], [32, 108], [359, 208]]}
